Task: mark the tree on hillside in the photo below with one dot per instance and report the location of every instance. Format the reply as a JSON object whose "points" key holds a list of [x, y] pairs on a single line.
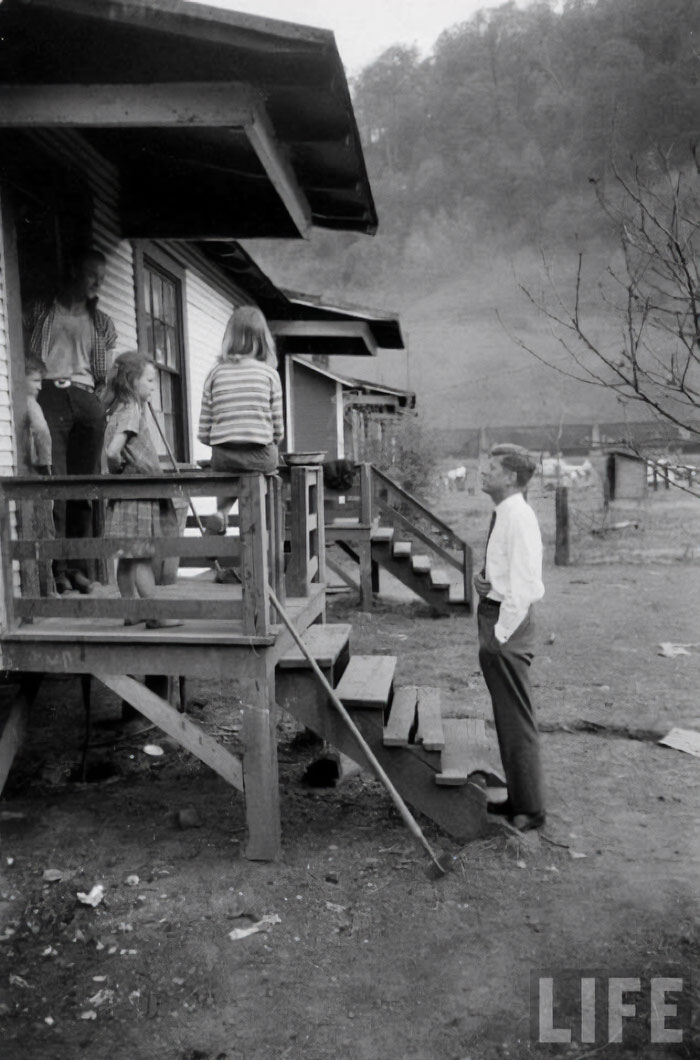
{"points": [[654, 294]]}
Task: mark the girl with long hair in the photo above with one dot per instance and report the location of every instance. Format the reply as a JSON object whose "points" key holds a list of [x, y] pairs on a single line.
{"points": [[129, 448], [241, 417]]}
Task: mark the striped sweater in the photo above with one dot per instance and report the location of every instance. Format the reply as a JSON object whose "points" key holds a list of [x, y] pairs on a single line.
{"points": [[241, 402]]}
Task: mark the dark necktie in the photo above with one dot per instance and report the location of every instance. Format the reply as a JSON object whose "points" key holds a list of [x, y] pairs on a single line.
{"points": [[488, 538]]}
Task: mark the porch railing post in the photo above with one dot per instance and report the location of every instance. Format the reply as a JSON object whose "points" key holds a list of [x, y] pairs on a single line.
{"points": [[366, 505], [254, 572], [275, 525], [298, 570]]}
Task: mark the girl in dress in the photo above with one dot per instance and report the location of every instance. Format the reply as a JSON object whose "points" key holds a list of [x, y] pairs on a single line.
{"points": [[129, 448], [241, 417]]}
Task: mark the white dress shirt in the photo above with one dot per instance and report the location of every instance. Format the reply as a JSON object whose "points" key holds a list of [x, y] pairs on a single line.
{"points": [[514, 563]]}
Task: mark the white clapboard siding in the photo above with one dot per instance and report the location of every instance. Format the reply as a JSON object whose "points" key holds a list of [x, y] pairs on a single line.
{"points": [[8, 449], [8, 455], [208, 310], [117, 297]]}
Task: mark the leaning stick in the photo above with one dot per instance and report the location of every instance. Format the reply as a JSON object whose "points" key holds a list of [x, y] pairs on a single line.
{"points": [[217, 566], [406, 815]]}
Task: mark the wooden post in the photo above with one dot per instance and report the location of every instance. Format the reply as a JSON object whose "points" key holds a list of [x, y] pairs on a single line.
{"points": [[561, 549], [467, 575], [298, 570], [366, 494], [274, 513], [260, 771], [254, 571]]}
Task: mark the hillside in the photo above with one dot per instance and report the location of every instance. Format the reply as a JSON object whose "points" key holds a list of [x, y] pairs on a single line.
{"points": [[524, 129]]}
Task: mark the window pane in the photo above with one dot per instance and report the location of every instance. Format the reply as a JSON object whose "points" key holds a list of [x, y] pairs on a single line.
{"points": [[159, 351], [157, 292], [165, 343], [166, 392], [169, 304], [170, 347]]}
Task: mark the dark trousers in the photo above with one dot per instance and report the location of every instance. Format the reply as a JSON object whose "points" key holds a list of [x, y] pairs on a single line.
{"points": [[506, 670], [77, 424]]}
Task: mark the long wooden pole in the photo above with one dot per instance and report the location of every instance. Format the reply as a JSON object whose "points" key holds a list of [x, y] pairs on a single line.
{"points": [[217, 566], [406, 815]]}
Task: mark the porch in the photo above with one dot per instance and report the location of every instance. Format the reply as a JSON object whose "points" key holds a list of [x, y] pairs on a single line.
{"points": [[227, 628]]}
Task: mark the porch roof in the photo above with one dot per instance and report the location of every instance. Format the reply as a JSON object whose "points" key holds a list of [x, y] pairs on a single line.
{"points": [[304, 322], [362, 387], [221, 124]]}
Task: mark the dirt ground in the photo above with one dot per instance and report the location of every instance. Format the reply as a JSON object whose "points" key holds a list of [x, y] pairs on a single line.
{"points": [[365, 957]]}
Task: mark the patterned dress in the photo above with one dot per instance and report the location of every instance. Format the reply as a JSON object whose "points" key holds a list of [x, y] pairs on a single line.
{"points": [[137, 518]]}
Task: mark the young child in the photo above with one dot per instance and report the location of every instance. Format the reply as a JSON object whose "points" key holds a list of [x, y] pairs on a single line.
{"points": [[241, 417], [36, 435], [129, 448], [36, 450]]}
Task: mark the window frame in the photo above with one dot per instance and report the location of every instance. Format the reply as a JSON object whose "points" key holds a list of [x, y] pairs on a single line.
{"points": [[145, 254]]}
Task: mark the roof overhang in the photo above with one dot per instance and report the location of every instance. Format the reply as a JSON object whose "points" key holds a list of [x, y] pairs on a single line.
{"points": [[363, 391], [221, 125], [304, 324]]}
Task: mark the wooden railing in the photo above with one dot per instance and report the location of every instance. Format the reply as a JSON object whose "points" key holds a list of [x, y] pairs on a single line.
{"points": [[258, 552], [376, 497], [305, 528]]}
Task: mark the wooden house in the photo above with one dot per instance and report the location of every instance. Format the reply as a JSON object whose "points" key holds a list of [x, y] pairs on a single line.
{"points": [[625, 475], [162, 132], [345, 417]]}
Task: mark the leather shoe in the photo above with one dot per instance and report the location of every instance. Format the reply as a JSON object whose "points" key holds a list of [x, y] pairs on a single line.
{"points": [[528, 822]]}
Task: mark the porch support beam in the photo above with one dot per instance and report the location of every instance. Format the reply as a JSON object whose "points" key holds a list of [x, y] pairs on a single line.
{"points": [[192, 105]]}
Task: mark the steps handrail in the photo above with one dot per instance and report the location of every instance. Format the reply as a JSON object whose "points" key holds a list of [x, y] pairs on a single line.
{"points": [[434, 519]]}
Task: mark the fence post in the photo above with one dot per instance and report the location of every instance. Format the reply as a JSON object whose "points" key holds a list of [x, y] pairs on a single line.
{"points": [[561, 548]]}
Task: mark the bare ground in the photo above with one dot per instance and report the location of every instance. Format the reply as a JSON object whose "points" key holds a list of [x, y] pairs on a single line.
{"points": [[371, 958]]}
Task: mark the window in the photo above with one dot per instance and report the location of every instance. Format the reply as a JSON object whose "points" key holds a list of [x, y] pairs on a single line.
{"points": [[162, 337]]}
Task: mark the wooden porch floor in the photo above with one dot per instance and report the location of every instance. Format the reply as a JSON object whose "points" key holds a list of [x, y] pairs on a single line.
{"points": [[200, 647]]}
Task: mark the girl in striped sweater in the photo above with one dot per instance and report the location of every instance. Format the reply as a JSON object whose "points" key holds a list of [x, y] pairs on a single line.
{"points": [[241, 417]]}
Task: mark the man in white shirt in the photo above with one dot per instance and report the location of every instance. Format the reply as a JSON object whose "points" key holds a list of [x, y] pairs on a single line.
{"points": [[509, 585]]}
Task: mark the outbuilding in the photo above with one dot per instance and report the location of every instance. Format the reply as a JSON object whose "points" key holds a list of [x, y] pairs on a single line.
{"points": [[625, 475]]}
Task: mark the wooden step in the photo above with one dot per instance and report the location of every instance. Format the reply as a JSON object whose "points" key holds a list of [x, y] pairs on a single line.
{"points": [[440, 579], [367, 681], [402, 717], [324, 642], [383, 535], [402, 549], [430, 730], [466, 751], [420, 564]]}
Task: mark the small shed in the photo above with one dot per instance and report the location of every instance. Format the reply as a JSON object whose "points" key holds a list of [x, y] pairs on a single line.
{"points": [[625, 475]]}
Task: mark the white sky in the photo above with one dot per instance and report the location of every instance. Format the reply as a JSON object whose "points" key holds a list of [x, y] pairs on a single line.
{"points": [[365, 28]]}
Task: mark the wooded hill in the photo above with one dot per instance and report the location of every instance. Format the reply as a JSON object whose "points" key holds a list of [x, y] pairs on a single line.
{"points": [[485, 157]]}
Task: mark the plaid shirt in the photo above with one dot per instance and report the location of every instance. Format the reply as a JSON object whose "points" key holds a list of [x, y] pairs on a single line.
{"points": [[40, 318]]}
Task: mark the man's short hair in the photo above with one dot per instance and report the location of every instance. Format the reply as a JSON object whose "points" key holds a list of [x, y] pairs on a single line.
{"points": [[515, 458]]}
